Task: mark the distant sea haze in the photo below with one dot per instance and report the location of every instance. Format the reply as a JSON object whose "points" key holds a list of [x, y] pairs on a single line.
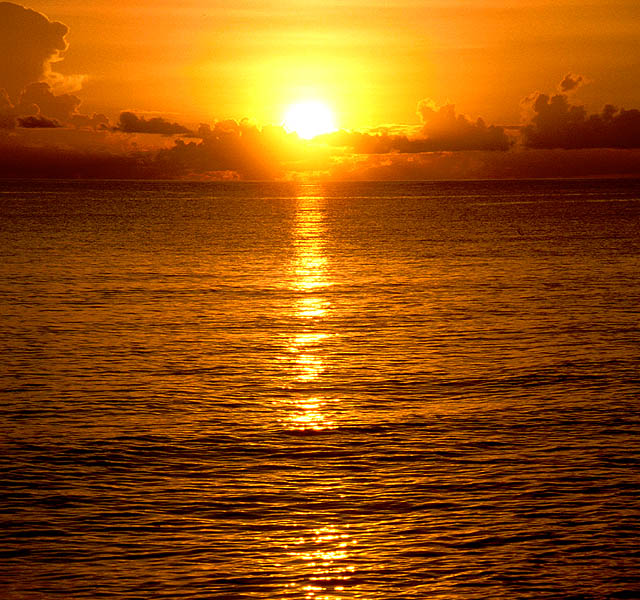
{"points": [[345, 391]]}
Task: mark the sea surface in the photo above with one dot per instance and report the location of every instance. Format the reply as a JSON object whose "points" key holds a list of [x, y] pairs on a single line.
{"points": [[342, 391]]}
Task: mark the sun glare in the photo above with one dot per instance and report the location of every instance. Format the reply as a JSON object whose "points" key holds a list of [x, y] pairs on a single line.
{"points": [[309, 119]]}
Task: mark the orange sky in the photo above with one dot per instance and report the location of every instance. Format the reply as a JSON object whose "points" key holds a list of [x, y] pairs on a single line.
{"points": [[373, 61], [419, 89]]}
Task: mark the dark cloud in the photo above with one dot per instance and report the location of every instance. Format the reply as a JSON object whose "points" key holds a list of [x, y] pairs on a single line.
{"points": [[229, 146], [227, 150], [38, 105], [44, 135], [29, 43], [523, 164], [38, 98], [66, 163], [241, 151], [131, 123], [558, 124], [444, 130], [37, 121], [571, 82]]}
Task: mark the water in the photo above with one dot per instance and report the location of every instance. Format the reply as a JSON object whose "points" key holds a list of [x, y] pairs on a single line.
{"points": [[347, 391]]}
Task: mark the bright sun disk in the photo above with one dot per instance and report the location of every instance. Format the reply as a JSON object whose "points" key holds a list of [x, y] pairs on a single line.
{"points": [[309, 119]]}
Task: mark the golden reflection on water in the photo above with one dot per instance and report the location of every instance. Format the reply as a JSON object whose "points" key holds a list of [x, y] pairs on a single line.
{"points": [[308, 280], [310, 260], [307, 348], [322, 554], [311, 306]]}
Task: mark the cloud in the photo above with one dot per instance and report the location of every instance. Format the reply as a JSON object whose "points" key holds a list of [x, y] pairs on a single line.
{"points": [[252, 153], [444, 130], [34, 122], [38, 105], [522, 164], [44, 135], [558, 124], [229, 149], [97, 121], [571, 82], [131, 123], [38, 97], [29, 44], [69, 163], [7, 116], [232, 150], [366, 143]]}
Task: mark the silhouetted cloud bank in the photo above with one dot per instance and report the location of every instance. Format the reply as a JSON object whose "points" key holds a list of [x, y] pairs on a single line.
{"points": [[39, 97], [34, 122], [523, 164], [43, 133], [559, 124], [442, 130], [247, 150], [131, 123]]}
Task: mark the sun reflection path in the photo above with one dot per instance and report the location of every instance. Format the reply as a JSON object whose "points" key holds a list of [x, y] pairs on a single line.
{"points": [[326, 554], [320, 557], [308, 281], [310, 258]]}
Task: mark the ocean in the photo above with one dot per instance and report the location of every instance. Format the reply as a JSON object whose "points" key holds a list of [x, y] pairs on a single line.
{"points": [[320, 391]]}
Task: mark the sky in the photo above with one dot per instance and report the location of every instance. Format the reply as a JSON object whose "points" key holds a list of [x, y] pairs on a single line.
{"points": [[418, 89]]}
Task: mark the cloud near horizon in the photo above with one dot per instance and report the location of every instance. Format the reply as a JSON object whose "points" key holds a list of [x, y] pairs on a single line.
{"points": [[37, 122], [131, 123], [229, 150], [39, 99], [442, 130], [558, 124], [523, 164], [44, 134]]}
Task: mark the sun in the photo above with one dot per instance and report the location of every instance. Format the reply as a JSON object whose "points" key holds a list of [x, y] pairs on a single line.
{"points": [[309, 119]]}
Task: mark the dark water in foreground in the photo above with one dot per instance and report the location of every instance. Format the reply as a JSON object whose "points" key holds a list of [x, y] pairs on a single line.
{"points": [[363, 391]]}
